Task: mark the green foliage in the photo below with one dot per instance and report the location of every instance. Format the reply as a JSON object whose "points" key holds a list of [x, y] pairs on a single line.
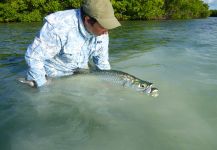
{"points": [[73, 3], [138, 9], [20, 10], [52, 6], [186, 9], [33, 16], [32, 10], [35, 10], [213, 13]]}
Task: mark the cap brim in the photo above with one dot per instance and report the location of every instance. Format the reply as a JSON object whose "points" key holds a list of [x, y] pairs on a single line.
{"points": [[110, 23]]}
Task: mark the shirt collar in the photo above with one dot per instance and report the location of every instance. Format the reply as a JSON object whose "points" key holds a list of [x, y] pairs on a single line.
{"points": [[81, 27]]}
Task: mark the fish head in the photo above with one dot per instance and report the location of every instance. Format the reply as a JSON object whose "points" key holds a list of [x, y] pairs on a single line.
{"points": [[142, 85], [146, 87]]}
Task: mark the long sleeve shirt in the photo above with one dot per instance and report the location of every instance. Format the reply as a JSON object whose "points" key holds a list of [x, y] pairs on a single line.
{"points": [[63, 45]]}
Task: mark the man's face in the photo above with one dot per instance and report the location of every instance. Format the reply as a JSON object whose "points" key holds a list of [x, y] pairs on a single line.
{"points": [[95, 28]]}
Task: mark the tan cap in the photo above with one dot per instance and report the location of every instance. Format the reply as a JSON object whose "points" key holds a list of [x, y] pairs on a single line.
{"points": [[102, 11]]}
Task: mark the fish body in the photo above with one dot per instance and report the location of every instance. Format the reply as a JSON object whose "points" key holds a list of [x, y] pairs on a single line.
{"points": [[124, 79]]}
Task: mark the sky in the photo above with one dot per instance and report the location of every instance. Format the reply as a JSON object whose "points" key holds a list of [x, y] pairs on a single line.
{"points": [[212, 3]]}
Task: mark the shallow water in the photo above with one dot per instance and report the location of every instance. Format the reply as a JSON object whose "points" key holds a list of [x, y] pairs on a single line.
{"points": [[179, 57]]}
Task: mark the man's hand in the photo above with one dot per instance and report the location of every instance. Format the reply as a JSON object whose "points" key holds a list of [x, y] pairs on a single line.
{"points": [[32, 83], [28, 82]]}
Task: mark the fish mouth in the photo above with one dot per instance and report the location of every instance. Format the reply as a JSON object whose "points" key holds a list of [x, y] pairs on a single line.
{"points": [[154, 92]]}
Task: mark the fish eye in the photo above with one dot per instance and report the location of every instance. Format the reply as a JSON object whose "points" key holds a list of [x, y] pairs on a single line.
{"points": [[141, 85]]}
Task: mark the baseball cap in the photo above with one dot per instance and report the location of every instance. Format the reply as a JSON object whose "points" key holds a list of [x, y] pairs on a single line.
{"points": [[102, 11]]}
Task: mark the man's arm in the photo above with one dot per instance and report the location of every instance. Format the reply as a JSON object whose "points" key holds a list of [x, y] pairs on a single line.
{"points": [[101, 55], [45, 46]]}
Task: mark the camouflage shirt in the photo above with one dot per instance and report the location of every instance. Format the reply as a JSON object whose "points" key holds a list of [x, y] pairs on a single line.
{"points": [[63, 45]]}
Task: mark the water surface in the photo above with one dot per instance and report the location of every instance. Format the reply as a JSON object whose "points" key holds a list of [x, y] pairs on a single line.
{"points": [[179, 57]]}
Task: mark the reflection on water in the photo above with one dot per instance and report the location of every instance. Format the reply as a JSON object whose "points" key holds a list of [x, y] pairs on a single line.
{"points": [[73, 113]]}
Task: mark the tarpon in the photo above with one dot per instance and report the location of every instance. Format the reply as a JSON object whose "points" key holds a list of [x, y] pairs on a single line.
{"points": [[124, 79]]}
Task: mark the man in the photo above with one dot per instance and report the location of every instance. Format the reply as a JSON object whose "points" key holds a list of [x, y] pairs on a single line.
{"points": [[68, 39]]}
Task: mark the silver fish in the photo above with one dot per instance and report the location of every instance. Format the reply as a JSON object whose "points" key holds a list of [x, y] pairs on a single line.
{"points": [[124, 79]]}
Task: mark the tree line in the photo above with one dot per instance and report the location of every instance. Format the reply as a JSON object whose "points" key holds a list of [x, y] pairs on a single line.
{"points": [[35, 10], [213, 13]]}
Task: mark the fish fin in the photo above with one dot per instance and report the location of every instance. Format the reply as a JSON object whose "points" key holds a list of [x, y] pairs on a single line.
{"points": [[148, 89]]}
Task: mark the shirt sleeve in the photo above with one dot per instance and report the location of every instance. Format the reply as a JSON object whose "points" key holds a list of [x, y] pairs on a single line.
{"points": [[101, 55], [45, 45]]}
